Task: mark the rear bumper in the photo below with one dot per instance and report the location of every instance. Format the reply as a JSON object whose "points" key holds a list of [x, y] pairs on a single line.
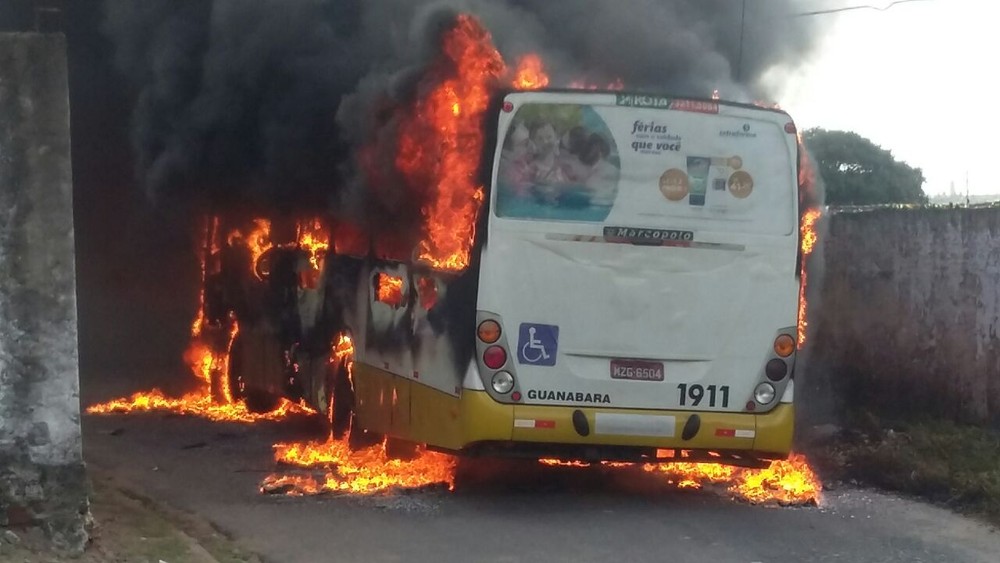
{"points": [[473, 422], [484, 420]]}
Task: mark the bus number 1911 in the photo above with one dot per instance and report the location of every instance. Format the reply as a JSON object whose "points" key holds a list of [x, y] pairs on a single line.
{"points": [[697, 392]]}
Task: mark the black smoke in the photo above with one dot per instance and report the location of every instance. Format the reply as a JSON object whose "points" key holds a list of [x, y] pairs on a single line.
{"points": [[265, 101]]}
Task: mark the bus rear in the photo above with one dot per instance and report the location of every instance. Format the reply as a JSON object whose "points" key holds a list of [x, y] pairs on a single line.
{"points": [[639, 281]]}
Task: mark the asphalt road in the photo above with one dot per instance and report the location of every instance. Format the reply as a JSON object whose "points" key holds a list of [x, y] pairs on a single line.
{"points": [[518, 513]]}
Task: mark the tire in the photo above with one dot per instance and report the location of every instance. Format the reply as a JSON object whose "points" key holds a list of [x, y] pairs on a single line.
{"points": [[260, 401], [396, 448], [339, 399], [359, 439], [235, 375], [340, 411]]}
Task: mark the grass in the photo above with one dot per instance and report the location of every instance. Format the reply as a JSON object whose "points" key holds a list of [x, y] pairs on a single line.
{"points": [[131, 528], [938, 460]]}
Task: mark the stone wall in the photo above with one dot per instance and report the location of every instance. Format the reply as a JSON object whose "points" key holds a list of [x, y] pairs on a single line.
{"points": [[42, 478], [908, 312]]}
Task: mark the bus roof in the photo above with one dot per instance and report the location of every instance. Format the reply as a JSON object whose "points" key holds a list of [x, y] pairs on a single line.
{"points": [[661, 100]]}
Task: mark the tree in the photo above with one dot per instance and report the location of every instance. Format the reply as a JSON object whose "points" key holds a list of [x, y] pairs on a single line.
{"points": [[856, 171]]}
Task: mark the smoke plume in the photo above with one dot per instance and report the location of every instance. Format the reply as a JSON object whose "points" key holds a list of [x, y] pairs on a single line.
{"points": [[265, 102]]}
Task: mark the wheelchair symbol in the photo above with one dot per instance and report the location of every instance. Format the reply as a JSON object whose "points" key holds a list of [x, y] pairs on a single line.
{"points": [[533, 350], [538, 344]]}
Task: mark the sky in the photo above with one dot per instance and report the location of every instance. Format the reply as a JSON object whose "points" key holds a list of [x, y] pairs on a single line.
{"points": [[915, 78]]}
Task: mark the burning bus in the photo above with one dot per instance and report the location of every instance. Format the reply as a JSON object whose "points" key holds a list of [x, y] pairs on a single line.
{"points": [[623, 284]]}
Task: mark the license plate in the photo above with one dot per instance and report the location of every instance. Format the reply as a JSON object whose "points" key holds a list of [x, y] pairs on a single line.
{"points": [[636, 370]]}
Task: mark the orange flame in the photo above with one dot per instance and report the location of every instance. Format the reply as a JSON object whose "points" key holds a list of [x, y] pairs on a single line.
{"points": [[344, 348], [198, 403], [366, 471], [785, 482], [259, 241], [439, 142], [208, 365], [563, 463], [808, 235], [530, 73], [807, 232], [209, 361], [314, 239], [390, 290]]}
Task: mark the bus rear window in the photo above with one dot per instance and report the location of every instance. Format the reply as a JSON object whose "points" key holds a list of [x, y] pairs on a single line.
{"points": [[644, 167]]}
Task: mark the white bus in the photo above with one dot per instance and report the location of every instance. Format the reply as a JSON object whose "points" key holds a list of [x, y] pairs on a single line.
{"points": [[633, 293], [634, 290]]}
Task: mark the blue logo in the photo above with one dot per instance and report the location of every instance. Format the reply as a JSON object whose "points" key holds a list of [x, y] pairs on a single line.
{"points": [[537, 345]]}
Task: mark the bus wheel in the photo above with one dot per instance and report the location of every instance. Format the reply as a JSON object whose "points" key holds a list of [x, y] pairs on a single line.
{"points": [[339, 398], [260, 401], [359, 439], [396, 448], [235, 375], [340, 414]]}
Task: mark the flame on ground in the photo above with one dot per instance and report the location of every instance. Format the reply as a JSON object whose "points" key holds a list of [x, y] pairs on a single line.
{"points": [[195, 404], [785, 482], [366, 471], [213, 401]]}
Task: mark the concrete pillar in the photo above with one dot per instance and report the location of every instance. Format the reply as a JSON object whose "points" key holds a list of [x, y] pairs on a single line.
{"points": [[42, 478]]}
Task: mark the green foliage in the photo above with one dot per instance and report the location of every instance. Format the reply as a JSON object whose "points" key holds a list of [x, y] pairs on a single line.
{"points": [[856, 171], [945, 462]]}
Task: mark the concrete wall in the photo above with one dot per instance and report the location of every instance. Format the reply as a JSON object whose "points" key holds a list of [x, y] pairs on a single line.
{"points": [[909, 311], [42, 479]]}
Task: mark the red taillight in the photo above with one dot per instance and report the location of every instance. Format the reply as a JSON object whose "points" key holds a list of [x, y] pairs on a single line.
{"points": [[495, 357]]}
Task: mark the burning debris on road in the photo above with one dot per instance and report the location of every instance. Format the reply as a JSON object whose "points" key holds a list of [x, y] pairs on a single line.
{"points": [[332, 467], [365, 471], [785, 482]]}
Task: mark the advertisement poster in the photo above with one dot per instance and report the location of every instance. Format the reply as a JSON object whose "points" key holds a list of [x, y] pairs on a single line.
{"points": [[560, 162], [646, 165]]}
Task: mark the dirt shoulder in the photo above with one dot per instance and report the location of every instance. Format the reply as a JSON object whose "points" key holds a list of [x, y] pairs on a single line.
{"points": [[129, 527], [953, 465]]}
